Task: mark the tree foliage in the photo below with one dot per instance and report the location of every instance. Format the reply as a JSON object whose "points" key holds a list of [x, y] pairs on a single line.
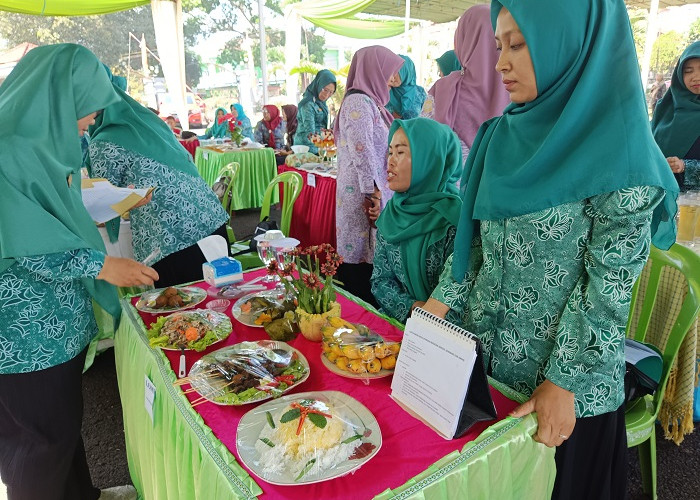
{"points": [[667, 48], [106, 35], [694, 32]]}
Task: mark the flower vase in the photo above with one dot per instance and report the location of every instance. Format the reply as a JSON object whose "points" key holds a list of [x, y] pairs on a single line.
{"points": [[310, 324]]}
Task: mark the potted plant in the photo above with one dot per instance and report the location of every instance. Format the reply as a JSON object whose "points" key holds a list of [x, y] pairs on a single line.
{"points": [[308, 277]]}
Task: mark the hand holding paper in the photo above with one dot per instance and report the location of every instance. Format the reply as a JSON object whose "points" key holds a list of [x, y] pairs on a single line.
{"points": [[105, 202]]}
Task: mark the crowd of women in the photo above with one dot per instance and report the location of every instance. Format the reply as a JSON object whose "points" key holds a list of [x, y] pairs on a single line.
{"points": [[513, 198]]}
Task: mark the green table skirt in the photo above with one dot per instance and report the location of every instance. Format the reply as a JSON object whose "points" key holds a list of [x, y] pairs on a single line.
{"points": [[257, 169], [177, 456]]}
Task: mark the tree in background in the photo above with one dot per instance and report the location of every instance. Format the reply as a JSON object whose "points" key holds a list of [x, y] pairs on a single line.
{"points": [[694, 32], [666, 51], [106, 35]]}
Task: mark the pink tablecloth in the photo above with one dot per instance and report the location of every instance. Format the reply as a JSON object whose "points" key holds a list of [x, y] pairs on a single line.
{"points": [[313, 218], [190, 146], [409, 446]]}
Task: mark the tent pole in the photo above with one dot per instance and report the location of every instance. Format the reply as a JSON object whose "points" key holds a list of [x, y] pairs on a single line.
{"points": [[263, 51], [405, 23], [652, 32]]}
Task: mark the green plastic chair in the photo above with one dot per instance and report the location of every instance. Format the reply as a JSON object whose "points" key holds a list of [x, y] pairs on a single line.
{"points": [[229, 171], [293, 182], [653, 321]]}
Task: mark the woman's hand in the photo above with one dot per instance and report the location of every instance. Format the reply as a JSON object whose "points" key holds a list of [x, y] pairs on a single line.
{"points": [[555, 413], [126, 272], [677, 165], [436, 307], [417, 303]]}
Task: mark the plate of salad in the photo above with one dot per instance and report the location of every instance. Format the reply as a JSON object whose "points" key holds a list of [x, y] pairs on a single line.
{"points": [[248, 372], [189, 330]]}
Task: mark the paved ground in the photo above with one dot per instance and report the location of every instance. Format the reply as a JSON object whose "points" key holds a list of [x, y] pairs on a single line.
{"points": [[678, 466]]}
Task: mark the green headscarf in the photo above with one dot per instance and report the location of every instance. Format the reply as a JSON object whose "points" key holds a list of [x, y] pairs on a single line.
{"points": [[138, 129], [407, 98], [322, 78], [676, 121], [421, 216], [448, 63], [573, 141], [219, 130], [39, 213]]}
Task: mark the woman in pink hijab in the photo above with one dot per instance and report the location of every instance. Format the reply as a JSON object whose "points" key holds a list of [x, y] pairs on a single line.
{"points": [[465, 99], [361, 132]]}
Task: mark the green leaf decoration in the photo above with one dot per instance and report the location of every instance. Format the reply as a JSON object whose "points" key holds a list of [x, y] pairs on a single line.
{"points": [[290, 415], [306, 468], [318, 420], [268, 442], [269, 419], [352, 438]]}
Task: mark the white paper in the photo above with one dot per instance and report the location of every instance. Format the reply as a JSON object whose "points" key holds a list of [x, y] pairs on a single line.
{"points": [[311, 180], [150, 397], [213, 247], [435, 395], [99, 197]]}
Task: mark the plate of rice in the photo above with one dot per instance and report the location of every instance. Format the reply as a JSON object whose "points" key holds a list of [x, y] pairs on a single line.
{"points": [[307, 438]]}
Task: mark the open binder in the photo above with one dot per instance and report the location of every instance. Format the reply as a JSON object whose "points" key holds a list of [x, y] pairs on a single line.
{"points": [[440, 376]]}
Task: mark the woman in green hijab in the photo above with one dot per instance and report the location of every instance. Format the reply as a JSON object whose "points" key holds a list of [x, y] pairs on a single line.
{"points": [[416, 229], [447, 63], [406, 98], [312, 114], [219, 128], [561, 197], [129, 145], [676, 121], [52, 267]]}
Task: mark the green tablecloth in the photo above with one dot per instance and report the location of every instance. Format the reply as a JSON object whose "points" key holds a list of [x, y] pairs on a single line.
{"points": [[257, 169], [176, 455]]}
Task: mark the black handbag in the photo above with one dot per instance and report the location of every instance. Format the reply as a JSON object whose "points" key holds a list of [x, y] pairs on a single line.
{"points": [[643, 368], [263, 226]]}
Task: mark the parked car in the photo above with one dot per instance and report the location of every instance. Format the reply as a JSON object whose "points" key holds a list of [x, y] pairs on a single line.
{"points": [[196, 109]]}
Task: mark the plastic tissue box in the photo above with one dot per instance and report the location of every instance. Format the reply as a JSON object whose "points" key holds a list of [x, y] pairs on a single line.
{"points": [[223, 271]]}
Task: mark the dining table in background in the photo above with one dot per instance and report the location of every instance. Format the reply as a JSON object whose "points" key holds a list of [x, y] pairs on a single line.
{"points": [[191, 146], [175, 450], [313, 216], [257, 168]]}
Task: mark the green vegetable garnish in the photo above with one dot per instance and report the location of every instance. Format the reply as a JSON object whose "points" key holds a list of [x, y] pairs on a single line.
{"points": [[268, 442], [306, 468], [318, 420], [290, 415], [352, 438], [269, 419]]}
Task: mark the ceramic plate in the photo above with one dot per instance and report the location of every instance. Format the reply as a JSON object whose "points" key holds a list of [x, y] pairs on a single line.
{"points": [[333, 368], [191, 296], [217, 327], [217, 385], [247, 318], [361, 438]]}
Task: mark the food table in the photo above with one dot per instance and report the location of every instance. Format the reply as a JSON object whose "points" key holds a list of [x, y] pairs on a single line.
{"points": [[313, 217], [191, 146], [185, 452], [257, 169]]}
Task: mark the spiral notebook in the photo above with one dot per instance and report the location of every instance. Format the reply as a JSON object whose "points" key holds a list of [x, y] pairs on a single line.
{"points": [[440, 376]]}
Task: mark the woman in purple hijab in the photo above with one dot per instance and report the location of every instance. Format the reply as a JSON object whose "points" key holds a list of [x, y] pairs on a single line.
{"points": [[465, 99], [361, 132]]}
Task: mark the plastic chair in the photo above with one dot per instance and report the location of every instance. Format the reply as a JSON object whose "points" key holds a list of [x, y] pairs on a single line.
{"points": [[229, 171], [293, 182], [664, 323]]}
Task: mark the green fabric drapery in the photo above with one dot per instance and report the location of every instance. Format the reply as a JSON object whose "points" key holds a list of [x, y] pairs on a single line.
{"points": [[338, 16], [69, 7]]}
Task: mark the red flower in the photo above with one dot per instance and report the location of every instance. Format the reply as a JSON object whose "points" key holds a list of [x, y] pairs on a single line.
{"points": [[328, 269], [239, 122], [288, 269], [311, 281], [272, 267]]}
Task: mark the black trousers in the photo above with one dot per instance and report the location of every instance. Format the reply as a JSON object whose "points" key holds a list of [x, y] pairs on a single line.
{"points": [[184, 265], [42, 456], [592, 463], [356, 280]]}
